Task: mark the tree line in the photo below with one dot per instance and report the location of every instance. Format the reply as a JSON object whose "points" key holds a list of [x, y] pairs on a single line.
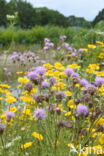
{"points": [[28, 16]]}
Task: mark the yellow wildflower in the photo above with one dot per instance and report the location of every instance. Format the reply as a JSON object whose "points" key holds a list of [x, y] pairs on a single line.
{"points": [[4, 86], [74, 65], [70, 103], [58, 143], [1, 98], [48, 66], [28, 99], [101, 139], [10, 99], [18, 73], [26, 145], [13, 109], [68, 114], [99, 42], [68, 93], [91, 46], [61, 85], [84, 49], [59, 66], [27, 111], [37, 136], [23, 80]]}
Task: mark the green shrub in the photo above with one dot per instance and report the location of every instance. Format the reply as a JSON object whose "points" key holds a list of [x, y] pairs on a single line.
{"points": [[35, 35], [99, 26], [1, 36], [69, 32], [20, 37], [80, 37], [54, 32], [7, 37], [91, 37]]}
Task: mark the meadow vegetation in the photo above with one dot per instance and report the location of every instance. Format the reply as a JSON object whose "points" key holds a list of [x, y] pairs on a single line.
{"points": [[54, 107]]}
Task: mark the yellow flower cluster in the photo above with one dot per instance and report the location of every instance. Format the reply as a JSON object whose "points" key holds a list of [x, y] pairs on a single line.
{"points": [[73, 66], [37, 136], [91, 46], [23, 80], [92, 68], [26, 145]]}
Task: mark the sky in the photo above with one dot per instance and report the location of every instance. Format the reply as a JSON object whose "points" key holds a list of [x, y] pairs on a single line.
{"points": [[80, 8]]}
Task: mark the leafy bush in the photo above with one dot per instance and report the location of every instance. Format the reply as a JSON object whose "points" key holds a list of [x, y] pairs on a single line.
{"points": [[1, 36], [69, 32], [7, 37], [99, 26], [54, 32], [20, 36], [80, 37]]}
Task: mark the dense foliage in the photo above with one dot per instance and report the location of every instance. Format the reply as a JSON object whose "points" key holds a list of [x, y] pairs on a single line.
{"points": [[28, 16], [80, 37], [99, 17], [78, 22]]}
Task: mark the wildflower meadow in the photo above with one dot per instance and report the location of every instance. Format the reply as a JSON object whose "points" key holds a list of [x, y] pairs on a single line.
{"points": [[53, 104]]}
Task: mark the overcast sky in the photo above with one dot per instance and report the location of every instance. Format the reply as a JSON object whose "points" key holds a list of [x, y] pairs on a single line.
{"points": [[81, 8]]}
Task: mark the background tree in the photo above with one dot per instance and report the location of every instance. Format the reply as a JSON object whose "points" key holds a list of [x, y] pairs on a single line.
{"points": [[30, 16], [99, 17], [3, 12]]}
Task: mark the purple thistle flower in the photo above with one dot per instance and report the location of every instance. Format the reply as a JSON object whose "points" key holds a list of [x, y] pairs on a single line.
{"points": [[90, 85], [1, 129], [47, 44], [84, 82], [52, 81], [82, 110], [22, 60], [4, 69], [63, 37], [68, 71], [39, 114], [66, 45], [60, 95], [75, 75], [90, 88], [59, 48], [43, 62], [73, 54], [80, 50], [51, 44], [99, 81], [45, 48], [40, 70], [32, 75], [58, 110], [46, 40], [70, 48], [36, 96], [14, 57], [45, 84], [9, 115], [19, 109]]}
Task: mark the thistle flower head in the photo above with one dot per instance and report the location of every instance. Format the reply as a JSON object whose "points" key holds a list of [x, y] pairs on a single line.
{"points": [[39, 114], [40, 70], [82, 110], [68, 71]]}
